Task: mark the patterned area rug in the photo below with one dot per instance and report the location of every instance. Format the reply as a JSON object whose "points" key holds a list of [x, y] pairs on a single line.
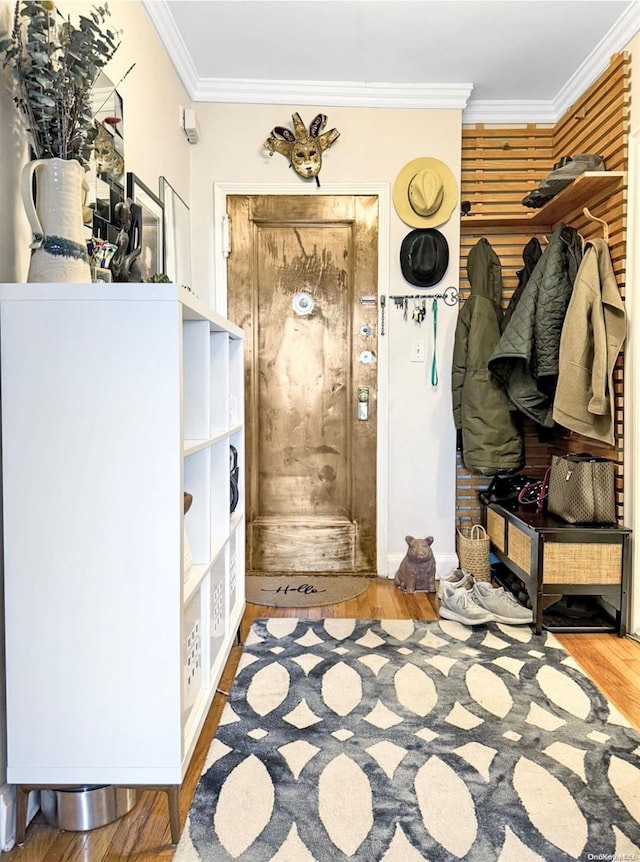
{"points": [[404, 741], [303, 591]]}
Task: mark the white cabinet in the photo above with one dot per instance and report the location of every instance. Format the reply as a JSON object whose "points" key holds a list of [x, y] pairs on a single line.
{"points": [[115, 400]]}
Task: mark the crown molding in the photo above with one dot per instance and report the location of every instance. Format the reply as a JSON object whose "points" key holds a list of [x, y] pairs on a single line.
{"points": [[452, 96], [505, 111], [345, 94], [501, 112], [162, 20], [617, 38], [330, 93]]}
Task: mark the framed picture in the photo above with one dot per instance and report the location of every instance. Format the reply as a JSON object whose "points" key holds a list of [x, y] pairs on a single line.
{"points": [[103, 199], [116, 195], [177, 235], [151, 258]]}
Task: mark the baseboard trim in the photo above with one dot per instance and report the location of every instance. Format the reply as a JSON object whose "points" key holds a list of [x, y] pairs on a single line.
{"points": [[444, 564]]}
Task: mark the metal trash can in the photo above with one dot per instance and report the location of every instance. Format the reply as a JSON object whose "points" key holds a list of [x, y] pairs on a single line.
{"points": [[86, 806]]}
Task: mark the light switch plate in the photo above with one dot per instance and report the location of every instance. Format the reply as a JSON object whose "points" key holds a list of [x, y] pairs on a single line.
{"points": [[417, 351]]}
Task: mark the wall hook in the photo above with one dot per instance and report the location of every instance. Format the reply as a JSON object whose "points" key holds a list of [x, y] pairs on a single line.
{"points": [[605, 226]]}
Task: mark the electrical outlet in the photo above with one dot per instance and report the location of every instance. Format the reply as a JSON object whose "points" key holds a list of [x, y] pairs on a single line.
{"points": [[417, 351]]}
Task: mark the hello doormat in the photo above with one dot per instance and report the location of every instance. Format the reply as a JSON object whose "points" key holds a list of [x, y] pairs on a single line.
{"points": [[302, 591]]}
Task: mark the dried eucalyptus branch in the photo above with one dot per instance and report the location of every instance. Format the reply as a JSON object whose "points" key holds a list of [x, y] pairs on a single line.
{"points": [[54, 66]]}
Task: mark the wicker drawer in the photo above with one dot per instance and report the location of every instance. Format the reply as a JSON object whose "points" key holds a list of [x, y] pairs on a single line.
{"points": [[582, 563], [495, 529], [519, 548]]}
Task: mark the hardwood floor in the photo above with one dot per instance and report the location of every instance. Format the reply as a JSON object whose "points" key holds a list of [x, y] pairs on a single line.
{"points": [[612, 662]]}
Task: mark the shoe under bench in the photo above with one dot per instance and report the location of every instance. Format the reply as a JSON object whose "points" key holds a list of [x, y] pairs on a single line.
{"points": [[553, 559]]}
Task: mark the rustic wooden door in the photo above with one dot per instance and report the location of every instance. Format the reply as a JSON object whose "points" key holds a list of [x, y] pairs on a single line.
{"points": [[302, 282]]}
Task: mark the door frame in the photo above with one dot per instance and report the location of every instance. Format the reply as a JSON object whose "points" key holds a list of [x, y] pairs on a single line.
{"points": [[220, 238]]}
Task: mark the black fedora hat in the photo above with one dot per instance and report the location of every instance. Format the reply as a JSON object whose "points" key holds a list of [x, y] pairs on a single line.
{"points": [[424, 257]]}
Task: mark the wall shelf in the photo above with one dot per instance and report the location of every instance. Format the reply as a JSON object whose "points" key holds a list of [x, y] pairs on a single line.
{"points": [[582, 190]]}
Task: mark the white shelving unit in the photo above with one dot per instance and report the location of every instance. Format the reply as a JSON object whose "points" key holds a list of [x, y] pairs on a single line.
{"points": [[115, 400]]}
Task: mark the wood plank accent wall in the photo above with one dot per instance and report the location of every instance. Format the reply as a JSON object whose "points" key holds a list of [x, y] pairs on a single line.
{"points": [[500, 165]]}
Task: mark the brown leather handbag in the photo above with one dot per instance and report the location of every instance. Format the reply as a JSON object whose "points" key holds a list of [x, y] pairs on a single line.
{"points": [[582, 489]]}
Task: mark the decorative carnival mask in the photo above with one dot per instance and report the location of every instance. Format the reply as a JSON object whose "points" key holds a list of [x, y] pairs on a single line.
{"points": [[304, 149]]}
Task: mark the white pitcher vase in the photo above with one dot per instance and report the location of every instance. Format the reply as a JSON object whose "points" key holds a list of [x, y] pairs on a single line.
{"points": [[59, 245]]}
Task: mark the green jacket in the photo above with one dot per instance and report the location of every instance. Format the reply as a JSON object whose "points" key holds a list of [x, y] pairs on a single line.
{"points": [[526, 359], [491, 439]]}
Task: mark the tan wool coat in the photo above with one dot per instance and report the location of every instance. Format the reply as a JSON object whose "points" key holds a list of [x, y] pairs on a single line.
{"points": [[593, 333]]}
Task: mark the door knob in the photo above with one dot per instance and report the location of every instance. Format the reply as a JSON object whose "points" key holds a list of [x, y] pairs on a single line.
{"points": [[363, 403]]}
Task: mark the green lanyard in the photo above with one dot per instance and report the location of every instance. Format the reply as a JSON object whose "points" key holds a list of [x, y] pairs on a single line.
{"points": [[434, 367]]}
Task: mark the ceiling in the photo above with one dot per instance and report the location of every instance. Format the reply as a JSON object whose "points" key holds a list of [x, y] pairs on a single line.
{"points": [[499, 60]]}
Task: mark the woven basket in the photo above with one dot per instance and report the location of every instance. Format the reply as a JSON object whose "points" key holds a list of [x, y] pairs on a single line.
{"points": [[473, 550]]}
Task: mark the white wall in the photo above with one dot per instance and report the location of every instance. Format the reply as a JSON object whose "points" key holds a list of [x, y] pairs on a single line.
{"points": [[373, 146]]}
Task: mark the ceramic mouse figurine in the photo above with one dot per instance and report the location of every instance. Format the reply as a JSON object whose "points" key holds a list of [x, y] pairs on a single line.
{"points": [[417, 571]]}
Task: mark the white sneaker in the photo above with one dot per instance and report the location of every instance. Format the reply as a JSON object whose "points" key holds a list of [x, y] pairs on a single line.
{"points": [[458, 578], [504, 606], [461, 606]]}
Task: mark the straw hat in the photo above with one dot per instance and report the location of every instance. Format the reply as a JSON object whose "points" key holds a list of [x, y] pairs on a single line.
{"points": [[425, 193]]}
